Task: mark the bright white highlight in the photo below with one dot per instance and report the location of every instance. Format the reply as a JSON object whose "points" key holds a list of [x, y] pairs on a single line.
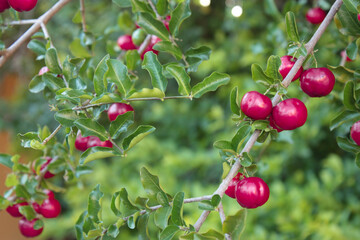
{"points": [[205, 3], [237, 11]]}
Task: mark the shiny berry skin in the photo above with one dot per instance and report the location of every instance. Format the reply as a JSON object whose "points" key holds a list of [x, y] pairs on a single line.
{"points": [[256, 105], [96, 142], [343, 54], [49, 193], [317, 82], [358, 16], [355, 132], [252, 192], [230, 191], [117, 109], [14, 209], [125, 42], [315, 15], [289, 114], [47, 174], [4, 5], [43, 70], [167, 22], [22, 5], [287, 62], [50, 208], [273, 125], [154, 40], [81, 143], [27, 228]]}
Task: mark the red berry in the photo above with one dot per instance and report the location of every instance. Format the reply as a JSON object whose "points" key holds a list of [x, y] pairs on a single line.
{"points": [[96, 142], [272, 124], [355, 132], [36, 207], [4, 5], [167, 22], [47, 174], [358, 16], [289, 114], [256, 105], [149, 47], [343, 54], [117, 109], [287, 62], [106, 144], [14, 209], [49, 193], [252, 192], [22, 5], [81, 143], [317, 82], [125, 42], [27, 228], [50, 208], [230, 191], [43, 70], [315, 15]]}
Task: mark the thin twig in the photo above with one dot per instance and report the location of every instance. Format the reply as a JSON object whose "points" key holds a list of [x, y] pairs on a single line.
{"points": [[154, 9], [52, 135], [222, 218], [286, 82], [46, 33], [32, 30], [21, 22], [82, 10], [343, 59], [145, 43]]}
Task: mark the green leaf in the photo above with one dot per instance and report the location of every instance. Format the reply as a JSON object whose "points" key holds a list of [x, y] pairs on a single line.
{"points": [[126, 207], [95, 153], [5, 160], [153, 66], [118, 74], [66, 117], [148, 93], [234, 101], [36, 84], [27, 138], [132, 59], [151, 184], [106, 98], [121, 124], [169, 47], [347, 145], [260, 124], [162, 6], [52, 62], [210, 83], [225, 146], [4, 203], [246, 160], [161, 217], [90, 127], [357, 160], [352, 5], [28, 212], [22, 192], [122, 3], [272, 68], [177, 210], [125, 21], [258, 74], [134, 138], [100, 83], [342, 74], [152, 26], [79, 226], [235, 224], [142, 227], [52, 82], [94, 205], [202, 53], [178, 15], [11, 180], [240, 136], [169, 232], [291, 27], [349, 96], [37, 47], [113, 232], [140, 6], [181, 77], [78, 50], [347, 22], [352, 50]]}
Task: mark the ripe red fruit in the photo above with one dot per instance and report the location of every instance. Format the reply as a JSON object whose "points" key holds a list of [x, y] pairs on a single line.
{"points": [[117, 109], [50, 208], [358, 16], [167, 22], [81, 143], [22, 5], [47, 174], [252, 192], [149, 47], [36, 207], [355, 132], [289, 114], [315, 15], [343, 54], [272, 124], [96, 142], [4, 5], [317, 82], [256, 105], [125, 42], [27, 228], [49, 193], [230, 191], [287, 62], [14, 209]]}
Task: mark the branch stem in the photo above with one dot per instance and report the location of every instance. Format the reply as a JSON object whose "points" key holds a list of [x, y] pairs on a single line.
{"points": [[82, 10], [52, 135]]}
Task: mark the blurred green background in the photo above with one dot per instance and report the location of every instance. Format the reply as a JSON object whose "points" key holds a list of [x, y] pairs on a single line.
{"points": [[314, 185]]}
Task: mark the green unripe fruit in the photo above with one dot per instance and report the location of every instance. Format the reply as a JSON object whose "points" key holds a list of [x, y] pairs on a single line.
{"points": [[138, 36]]}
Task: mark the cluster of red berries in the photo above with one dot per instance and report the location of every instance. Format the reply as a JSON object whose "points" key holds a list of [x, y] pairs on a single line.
{"points": [[49, 208], [18, 5], [290, 113], [83, 143], [250, 192], [133, 42]]}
